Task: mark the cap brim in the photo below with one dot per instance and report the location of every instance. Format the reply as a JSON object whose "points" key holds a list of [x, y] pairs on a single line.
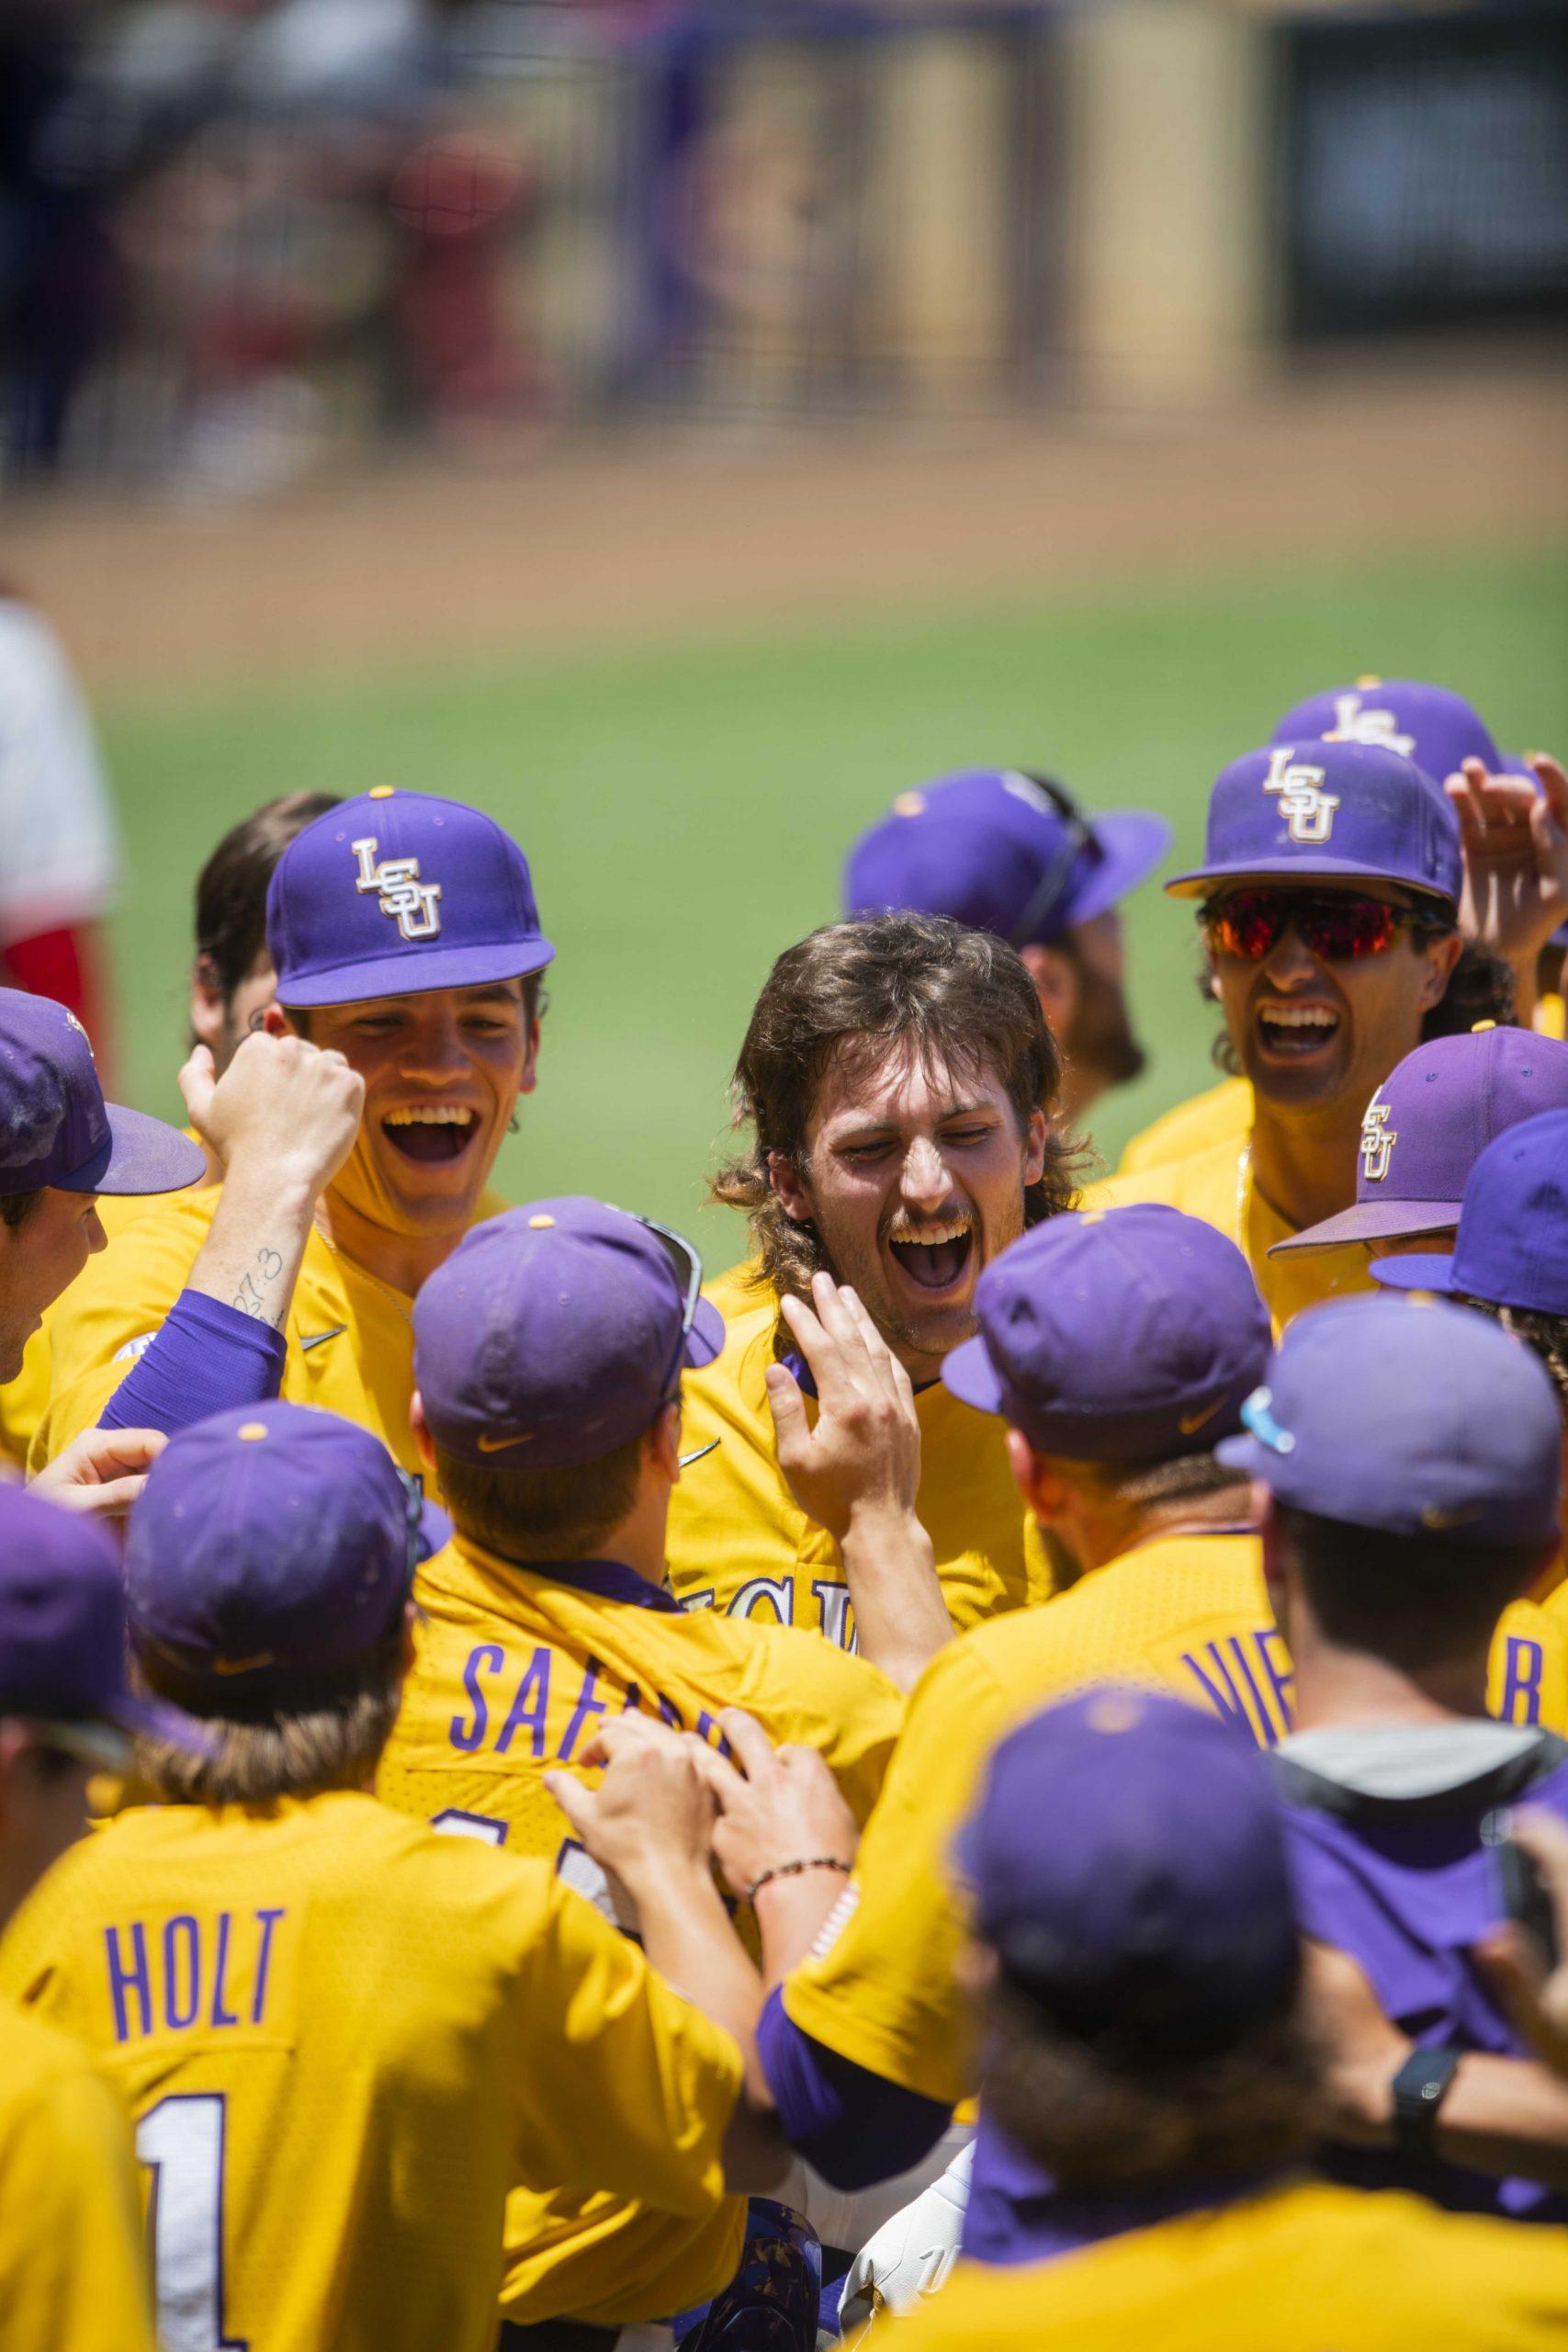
{"points": [[1135, 841], [1416, 1273], [1374, 1221], [415, 972], [142, 1155], [155, 1719], [704, 1341], [1198, 884], [969, 1374]]}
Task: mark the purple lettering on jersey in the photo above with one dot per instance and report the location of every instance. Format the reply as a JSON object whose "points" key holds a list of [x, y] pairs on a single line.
{"points": [[708, 1730], [134, 1978], [488, 1658], [529, 1706], [1222, 1693], [669, 1712], [833, 1612], [588, 1703], [1524, 1664], [181, 2001], [633, 1699], [219, 2013], [1271, 1730], [1278, 1671], [266, 1921], [776, 1593]]}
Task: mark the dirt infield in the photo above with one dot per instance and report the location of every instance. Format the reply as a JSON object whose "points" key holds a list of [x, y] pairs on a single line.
{"points": [[687, 533]]}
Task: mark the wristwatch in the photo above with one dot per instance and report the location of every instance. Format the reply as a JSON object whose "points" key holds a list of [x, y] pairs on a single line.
{"points": [[1419, 2089]]}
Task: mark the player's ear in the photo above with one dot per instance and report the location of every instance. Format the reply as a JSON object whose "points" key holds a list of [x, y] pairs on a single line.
{"points": [[421, 1429], [1055, 982], [207, 1004], [1278, 1576], [785, 1179], [1033, 1477], [275, 1022], [664, 1443], [1442, 954]]}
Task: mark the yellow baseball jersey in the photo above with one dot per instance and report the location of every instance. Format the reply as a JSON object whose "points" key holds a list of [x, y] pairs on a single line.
{"points": [[739, 1543], [1216, 1185], [1215, 1116], [23, 1400], [350, 1337], [1549, 1020], [344, 2038], [513, 1673], [1303, 2268], [1188, 1614], [73, 2274]]}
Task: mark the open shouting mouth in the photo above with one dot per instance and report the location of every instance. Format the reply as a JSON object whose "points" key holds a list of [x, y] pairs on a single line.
{"points": [[431, 1132], [1293, 1031], [937, 1256]]}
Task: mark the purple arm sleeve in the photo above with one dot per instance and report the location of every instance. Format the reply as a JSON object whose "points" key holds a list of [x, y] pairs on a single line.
{"points": [[204, 1358], [855, 2127]]}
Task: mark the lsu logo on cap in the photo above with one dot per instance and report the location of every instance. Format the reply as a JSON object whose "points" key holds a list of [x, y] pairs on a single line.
{"points": [[1377, 1140], [1355, 722], [1308, 810], [398, 890]]}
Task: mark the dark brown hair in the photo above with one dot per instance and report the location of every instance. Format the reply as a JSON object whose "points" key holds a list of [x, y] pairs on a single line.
{"points": [[1103, 2126], [1412, 1599], [231, 889], [540, 1514], [854, 992], [17, 1207], [1545, 1336]]}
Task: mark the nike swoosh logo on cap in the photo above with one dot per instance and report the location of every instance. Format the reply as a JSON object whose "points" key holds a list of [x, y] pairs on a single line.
{"points": [[319, 1339], [488, 1445], [1188, 1422]]}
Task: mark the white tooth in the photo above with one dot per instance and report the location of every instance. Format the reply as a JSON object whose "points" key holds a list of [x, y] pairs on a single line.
{"points": [[431, 1114]]}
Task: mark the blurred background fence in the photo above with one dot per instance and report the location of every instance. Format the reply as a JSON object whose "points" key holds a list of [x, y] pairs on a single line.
{"points": [[240, 238]]}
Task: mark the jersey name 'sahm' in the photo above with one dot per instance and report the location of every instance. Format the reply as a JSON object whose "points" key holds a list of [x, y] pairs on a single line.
{"points": [[398, 890]]}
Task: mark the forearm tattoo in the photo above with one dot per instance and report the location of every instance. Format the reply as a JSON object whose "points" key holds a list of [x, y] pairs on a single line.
{"points": [[251, 1297]]}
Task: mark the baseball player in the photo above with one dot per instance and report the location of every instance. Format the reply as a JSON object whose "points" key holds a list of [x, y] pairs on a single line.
{"points": [[357, 1132], [232, 985], [1003, 852], [344, 2037], [1402, 1521], [899, 1080], [1507, 869], [1329, 895], [548, 1355], [73, 2269], [1147, 2048]]}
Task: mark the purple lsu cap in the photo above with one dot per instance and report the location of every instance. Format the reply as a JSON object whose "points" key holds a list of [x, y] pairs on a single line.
{"points": [[62, 1632], [1512, 1244], [1428, 1125], [397, 892], [1331, 812], [1128, 1867], [1116, 1335], [1410, 1416], [272, 1544], [1002, 852], [557, 1332], [56, 1128], [1437, 729]]}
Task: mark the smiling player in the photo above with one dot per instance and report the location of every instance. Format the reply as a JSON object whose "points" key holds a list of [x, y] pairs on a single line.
{"points": [[1329, 911], [357, 1131], [898, 1078]]}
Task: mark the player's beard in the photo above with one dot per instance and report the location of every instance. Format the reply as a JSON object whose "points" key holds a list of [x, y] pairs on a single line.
{"points": [[1101, 1041]]}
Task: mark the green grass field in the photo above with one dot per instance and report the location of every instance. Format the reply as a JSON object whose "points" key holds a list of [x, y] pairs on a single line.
{"points": [[685, 810]]}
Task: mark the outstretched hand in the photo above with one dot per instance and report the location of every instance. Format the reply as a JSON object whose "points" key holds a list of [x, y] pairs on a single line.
{"points": [[786, 1808], [863, 1454], [1516, 856], [102, 1472], [654, 1810]]}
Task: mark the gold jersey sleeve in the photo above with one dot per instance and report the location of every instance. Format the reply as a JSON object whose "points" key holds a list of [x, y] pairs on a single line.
{"points": [[739, 1543], [1299, 2269], [73, 2274], [1188, 1615], [1218, 1115], [343, 2041]]}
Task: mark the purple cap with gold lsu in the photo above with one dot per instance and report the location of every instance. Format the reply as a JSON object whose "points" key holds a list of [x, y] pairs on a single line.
{"points": [[272, 1544], [1002, 852], [1428, 1125], [557, 1332], [397, 892], [1127, 1865], [1437, 729], [1116, 1335], [1329, 812], [62, 1633], [56, 1128], [1511, 1248]]}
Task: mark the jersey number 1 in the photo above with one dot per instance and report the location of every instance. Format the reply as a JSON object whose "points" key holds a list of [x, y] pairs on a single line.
{"points": [[181, 2142]]}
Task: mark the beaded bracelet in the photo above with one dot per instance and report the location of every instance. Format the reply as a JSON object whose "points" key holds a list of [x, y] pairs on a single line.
{"points": [[794, 1870]]}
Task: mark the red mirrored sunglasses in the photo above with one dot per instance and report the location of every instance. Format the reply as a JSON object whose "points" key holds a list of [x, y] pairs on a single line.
{"points": [[1336, 926]]}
